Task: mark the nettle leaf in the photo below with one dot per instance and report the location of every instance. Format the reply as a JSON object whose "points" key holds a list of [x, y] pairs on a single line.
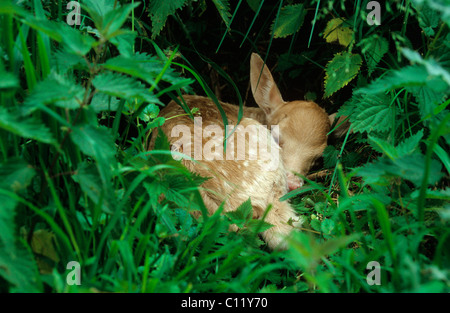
{"points": [[98, 8], [330, 157], [26, 127], [428, 18], [406, 147], [369, 113], [289, 21], [122, 86], [373, 49], [340, 71], [147, 68], [102, 102], [73, 41], [16, 262], [125, 43], [337, 31], [98, 143], [8, 81], [223, 7], [410, 76], [159, 11], [90, 181], [59, 90], [409, 167], [64, 61], [242, 214]]}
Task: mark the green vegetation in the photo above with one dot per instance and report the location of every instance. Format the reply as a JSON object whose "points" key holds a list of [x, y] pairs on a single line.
{"points": [[77, 104]]}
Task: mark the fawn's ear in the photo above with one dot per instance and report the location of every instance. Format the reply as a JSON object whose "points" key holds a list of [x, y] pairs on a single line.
{"points": [[342, 124], [264, 89]]}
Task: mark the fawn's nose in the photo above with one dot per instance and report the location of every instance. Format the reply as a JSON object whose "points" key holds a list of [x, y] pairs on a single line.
{"points": [[293, 182]]}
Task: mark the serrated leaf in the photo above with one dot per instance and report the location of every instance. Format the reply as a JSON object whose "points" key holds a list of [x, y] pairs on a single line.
{"points": [[340, 71], [330, 157], [159, 11], [410, 76], [64, 61], [55, 89], [103, 102], [409, 167], [223, 7], [125, 43], [145, 67], [8, 81], [97, 143], [26, 127], [374, 48], [289, 21], [407, 146], [90, 181], [16, 262], [428, 18], [73, 41], [337, 31], [122, 86], [369, 113]]}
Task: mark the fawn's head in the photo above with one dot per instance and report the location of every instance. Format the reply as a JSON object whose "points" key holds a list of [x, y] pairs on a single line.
{"points": [[303, 125]]}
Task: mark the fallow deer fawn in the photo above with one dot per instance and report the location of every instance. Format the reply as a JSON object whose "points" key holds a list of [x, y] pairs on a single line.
{"points": [[302, 132]]}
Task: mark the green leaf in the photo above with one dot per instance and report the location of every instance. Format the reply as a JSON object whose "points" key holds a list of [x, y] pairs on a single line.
{"points": [[26, 127], [16, 262], [289, 21], [336, 31], [18, 267], [125, 43], [73, 41], [147, 68], [374, 48], [428, 18], [64, 61], [122, 86], [59, 90], [223, 7], [89, 179], [330, 156], [327, 226], [410, 76], [340, 71], [410, 167], [102, 102], [369, 113], [98, 143], [242, 214], [159, 11], [8, 81]]}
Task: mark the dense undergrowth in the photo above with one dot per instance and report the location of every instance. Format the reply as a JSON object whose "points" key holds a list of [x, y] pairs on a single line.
{"points": [[77, 105]]}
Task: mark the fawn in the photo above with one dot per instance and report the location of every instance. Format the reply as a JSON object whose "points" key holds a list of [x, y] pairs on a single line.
{"points": [[300, 136]]}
